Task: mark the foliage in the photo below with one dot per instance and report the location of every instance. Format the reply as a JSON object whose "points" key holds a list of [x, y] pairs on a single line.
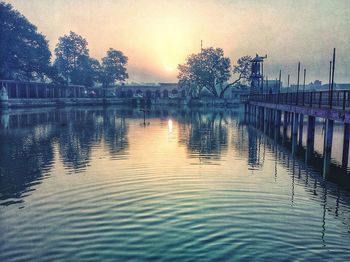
{"points": [[72, 59], [243, 69], [206, 69], [87, 72], [113, 67], [211, 70], [24, 53]]}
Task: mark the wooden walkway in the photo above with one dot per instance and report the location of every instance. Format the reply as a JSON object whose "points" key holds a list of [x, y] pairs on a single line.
{"points": [[286, 110]]}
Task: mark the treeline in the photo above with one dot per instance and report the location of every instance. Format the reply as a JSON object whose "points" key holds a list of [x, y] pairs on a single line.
{"points": [[210, 70], [25, 55]]}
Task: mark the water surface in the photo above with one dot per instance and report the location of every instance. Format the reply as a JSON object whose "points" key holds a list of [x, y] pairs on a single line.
{"points": [[96, 184]]}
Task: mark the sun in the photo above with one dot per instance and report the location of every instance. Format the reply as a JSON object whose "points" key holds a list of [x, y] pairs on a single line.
{"points": [[169, 68]]}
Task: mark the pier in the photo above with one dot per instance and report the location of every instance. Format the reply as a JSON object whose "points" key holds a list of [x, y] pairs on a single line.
{"points": [[290, 111], [270, 111]]}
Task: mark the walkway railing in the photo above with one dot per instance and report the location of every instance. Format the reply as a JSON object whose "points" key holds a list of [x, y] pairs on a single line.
{"points": [[317, 99]]}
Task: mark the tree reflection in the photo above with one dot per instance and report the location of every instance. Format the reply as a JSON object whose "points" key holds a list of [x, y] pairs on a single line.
{"points": [[205, 134], [115, 133], [77, 139], [23, 160], [29, 142]]}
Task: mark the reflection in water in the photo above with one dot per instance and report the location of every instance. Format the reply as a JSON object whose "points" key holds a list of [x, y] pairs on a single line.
{"points": [[170, 126], [94, 177], [27, 145], [204, 134], [309, 177]]}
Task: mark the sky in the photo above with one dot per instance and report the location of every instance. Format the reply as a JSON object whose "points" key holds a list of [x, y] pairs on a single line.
{"points": [[157, 35]]}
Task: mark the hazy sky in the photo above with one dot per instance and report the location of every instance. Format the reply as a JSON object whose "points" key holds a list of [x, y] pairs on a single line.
{"points": [[158, 35]]}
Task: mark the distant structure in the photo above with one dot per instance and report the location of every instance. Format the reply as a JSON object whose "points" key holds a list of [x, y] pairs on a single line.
{"points": [[150, 91], [257, 74]]}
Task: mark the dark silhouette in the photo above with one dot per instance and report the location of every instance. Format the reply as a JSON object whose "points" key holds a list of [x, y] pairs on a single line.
{"points": [[73, 62], [113, 67], [211, 70], [24, 53]]}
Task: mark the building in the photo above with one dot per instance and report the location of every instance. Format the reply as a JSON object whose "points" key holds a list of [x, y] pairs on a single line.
{"points": [[150, 91]]}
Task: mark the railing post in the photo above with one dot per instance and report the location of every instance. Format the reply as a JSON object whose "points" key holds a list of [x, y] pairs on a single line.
{"points": [[311, 99], [346, 138], [303, 97], [320, 100], [344, 99], [310, 141], [327, 146]]}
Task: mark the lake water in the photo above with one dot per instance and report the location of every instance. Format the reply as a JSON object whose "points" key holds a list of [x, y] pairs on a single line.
{"points": [[96, 184]]}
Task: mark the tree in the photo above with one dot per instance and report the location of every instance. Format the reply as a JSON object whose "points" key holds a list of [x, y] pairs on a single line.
{"points": [[243, 68], [113, 67], [71, 56], [87, 71], [24, 53], [210, 69]]}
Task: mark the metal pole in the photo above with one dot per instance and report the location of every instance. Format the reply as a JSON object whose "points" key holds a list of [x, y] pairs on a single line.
{"points": [[298, 82], [267, 85], [332, 85], [288, 86], [329, 83], [304, 86], [279, 81], [262, 76], [279, 86]]}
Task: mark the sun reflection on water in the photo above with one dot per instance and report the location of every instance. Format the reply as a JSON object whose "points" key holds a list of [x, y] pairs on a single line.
{"points": [[170, 126]]}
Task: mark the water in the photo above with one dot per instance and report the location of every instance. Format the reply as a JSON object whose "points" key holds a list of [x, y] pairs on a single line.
{"points": [[98, 184]]}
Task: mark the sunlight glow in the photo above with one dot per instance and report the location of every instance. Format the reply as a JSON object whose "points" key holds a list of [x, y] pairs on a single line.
{"points": [[158, 35], [170, 126]]}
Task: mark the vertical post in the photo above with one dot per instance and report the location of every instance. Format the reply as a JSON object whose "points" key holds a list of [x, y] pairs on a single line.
{"points": [[298, 83], [346, 138], [329, 84], [17, 91], [310, 140], [271, 123], [279, 86], [262, 78], [295, 133], [301, 127], [259, 117], [36, 91], [332, 84], [327, 146], [27, 91], [304, 86], [285, 125], [248, 114], [266, 115], [278, 115], [278, 118]]}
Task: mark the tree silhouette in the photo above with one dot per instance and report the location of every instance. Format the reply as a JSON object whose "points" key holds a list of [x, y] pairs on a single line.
{"points": [[211, 70], [24, 53], [113, 67], [73, 61]]}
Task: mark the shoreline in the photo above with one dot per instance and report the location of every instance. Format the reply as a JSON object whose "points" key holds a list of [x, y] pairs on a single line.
{"points": [[67, 102]]}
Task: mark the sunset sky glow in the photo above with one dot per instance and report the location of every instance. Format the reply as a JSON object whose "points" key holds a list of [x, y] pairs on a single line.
{"points": [[158, 35]]}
